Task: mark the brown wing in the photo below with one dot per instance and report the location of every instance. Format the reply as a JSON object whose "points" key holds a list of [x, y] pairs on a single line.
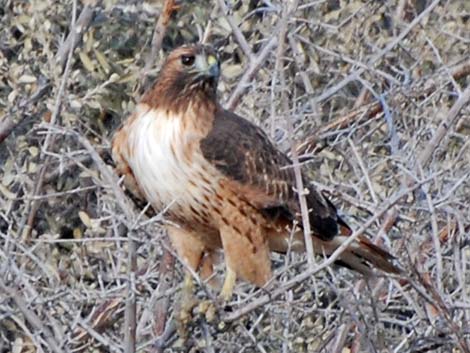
{"points": [[263, 175]]}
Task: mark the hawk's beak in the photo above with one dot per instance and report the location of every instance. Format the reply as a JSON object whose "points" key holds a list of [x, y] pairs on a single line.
{"points": [[214, 67], [208, 66]]}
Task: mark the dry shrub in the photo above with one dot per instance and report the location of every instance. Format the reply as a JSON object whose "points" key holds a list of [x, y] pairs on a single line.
{"points": [[366, 91]]}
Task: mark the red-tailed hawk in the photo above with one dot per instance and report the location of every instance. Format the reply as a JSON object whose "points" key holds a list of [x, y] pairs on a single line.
{"points": [[222, 182]]}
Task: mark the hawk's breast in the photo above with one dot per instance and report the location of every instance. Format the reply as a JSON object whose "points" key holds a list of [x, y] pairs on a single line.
{"points": [[169, 167]]}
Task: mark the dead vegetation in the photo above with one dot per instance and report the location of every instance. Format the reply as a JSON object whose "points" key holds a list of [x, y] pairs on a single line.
{"points": [[372, 97]]}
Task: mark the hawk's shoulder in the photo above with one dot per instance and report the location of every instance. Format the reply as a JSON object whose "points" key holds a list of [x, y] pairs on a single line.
{"points": [[241, 150]]}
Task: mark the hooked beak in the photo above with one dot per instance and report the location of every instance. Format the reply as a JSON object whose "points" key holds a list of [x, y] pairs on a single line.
{"points": [[207, 67]]}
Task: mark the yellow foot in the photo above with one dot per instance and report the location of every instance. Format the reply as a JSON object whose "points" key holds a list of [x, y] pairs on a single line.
{"points": [[208, 309], [229, 284]]}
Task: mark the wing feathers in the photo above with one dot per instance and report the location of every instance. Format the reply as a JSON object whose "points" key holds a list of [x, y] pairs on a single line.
{"points": [[263, 175]]}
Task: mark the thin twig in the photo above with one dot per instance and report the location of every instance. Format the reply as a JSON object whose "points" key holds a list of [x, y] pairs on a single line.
{"points": [[89, 331], [435, 236], [241, 40], [166, 271], [76, 32], [100, 317], [10, 121], [354, 75], [110, 178], [32, 318], [300, 67], [169, 7], [253, 67], [288, 12], [130, 314], [33, 206], [364, 172], [446, 124], [341, 335], [207, 31]]}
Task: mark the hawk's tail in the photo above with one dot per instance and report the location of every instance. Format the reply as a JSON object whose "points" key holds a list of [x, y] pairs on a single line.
{"points": [[361, 255]]}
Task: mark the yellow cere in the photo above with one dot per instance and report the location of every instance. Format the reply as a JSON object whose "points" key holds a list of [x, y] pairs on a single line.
{"points": [[211, 60]]}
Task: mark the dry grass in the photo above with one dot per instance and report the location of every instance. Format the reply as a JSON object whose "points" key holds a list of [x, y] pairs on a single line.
{"points": [[375, 97]]}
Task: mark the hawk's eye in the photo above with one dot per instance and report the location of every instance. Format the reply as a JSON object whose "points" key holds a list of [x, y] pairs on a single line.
{"points": [[187, 60]]}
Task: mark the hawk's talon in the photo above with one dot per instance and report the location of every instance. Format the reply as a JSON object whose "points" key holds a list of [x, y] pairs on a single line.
{"points": [[208, 309], [187, 302]]}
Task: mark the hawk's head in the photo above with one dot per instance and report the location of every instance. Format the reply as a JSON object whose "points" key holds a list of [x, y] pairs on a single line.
{"points": [[190, 71], [195, 65]]}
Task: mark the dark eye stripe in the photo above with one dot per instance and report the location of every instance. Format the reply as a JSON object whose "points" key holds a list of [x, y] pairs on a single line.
{"points": [[187, 60]]}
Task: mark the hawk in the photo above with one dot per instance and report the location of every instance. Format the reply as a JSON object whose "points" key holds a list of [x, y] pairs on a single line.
{"points": [[220, 180]]}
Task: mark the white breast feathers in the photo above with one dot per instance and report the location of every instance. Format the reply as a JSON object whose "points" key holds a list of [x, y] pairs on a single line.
{"points": [[167, 163]]}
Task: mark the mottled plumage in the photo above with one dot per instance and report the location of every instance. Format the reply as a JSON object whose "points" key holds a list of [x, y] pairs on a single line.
{"points": [[221, 180]]}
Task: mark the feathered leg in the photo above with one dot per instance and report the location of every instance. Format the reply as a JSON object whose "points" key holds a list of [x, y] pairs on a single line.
{"points": [[191, 250], [246, 249]]}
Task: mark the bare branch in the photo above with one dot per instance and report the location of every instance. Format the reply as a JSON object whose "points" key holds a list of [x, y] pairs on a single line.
{"points": [[32, 206], [130, 321], [253, 67], [301, 190], [236, 31], [354, 75], [166, 271], [169, 7], [31, 317], [8, 123], [76, 32], [444, 127]]}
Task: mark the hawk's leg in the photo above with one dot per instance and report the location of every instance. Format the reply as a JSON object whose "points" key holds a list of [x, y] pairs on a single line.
{"points": [[246, 250], [187, 300], [190, 250]]}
